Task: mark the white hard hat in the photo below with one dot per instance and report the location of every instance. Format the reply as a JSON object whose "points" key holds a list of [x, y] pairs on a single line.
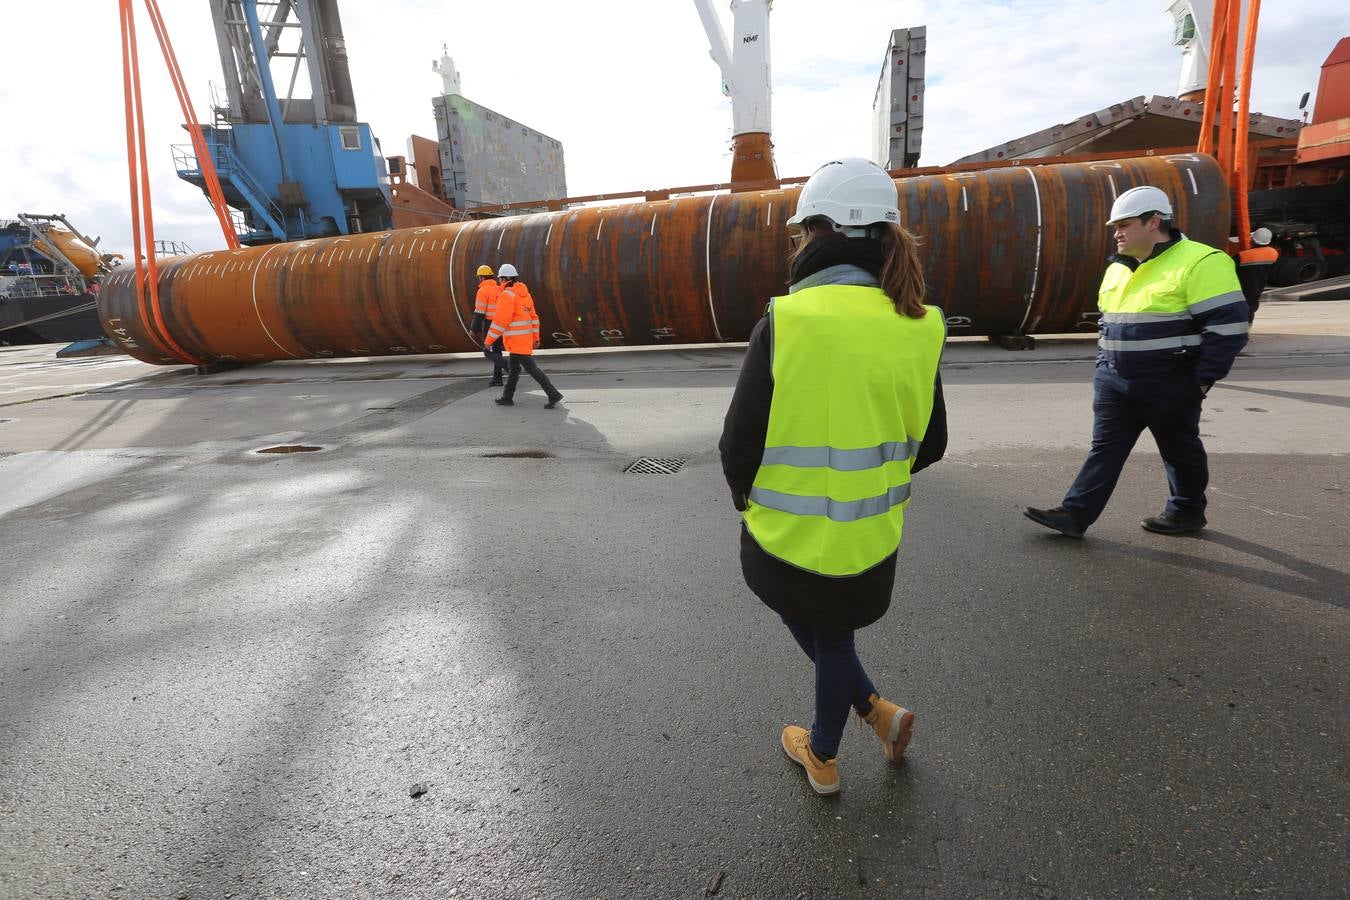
{"points": [[1137, 201], [850, 193], [507, 271], [1262, 236]]}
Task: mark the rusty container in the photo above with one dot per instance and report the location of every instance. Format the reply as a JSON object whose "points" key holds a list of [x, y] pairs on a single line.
{"points": [[1007, 251]]}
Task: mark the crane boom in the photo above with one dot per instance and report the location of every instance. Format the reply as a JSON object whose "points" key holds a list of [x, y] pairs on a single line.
{"points": [[720, 52], [1194, 21], [747, 79]]}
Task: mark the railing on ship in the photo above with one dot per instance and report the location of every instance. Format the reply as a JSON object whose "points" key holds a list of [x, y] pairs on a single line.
{"points": [[172, 248], [30, 285], [231, 171]]}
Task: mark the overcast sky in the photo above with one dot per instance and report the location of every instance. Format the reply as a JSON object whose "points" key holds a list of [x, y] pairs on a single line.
{"points": [[628, 87]]}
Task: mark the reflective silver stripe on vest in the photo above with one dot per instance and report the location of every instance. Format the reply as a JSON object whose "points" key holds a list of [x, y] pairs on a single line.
{"points": [[1171, 343], [1230, 328], [1132, 317], [513, 331], [835, 510], [840, 460], [1216, 302]]}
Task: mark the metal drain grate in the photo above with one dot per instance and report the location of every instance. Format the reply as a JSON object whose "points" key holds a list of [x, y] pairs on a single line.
{"points": [[656, 465]]}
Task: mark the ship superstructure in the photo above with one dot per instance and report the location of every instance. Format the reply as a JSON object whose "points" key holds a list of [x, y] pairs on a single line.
{"points": [[50, 273]]}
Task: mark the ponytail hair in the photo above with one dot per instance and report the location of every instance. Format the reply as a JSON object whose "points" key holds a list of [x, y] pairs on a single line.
{"points": [[902, 270]]}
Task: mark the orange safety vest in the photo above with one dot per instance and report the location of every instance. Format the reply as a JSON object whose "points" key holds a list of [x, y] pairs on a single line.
{"points": [[485, 302], [1258, 256], [515, 320]]}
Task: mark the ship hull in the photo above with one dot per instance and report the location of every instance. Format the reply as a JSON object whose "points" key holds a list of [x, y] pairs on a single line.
{"points": [[49, 320]]}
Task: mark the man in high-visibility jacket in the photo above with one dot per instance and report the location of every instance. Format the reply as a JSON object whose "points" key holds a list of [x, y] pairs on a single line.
{"points": [[484, 307], [516, 324], [1173, 319], [1254, 265]]}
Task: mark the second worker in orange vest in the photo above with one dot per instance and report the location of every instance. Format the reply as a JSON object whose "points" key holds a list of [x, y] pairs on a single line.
{"points": [[484, 308], [516, 324]]}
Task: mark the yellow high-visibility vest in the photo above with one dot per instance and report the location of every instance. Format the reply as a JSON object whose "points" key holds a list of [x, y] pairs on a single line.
{"points": [[853, 393]]}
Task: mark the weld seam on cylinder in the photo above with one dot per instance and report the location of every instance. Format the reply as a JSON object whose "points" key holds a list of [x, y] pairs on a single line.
{"points": [[707, 267], [1036, 269], [454, 300], [257, 312]]}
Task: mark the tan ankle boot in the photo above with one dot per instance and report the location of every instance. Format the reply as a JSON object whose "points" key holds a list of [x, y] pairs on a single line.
{"points": [[893, 724]]}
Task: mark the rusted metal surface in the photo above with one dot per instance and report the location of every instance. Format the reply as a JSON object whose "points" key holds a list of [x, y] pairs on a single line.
{"points": [[1008, 251], [791, 181], [751, 158]]}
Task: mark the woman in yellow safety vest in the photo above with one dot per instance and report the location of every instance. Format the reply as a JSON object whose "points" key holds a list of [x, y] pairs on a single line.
{"points": [[838, 403]]}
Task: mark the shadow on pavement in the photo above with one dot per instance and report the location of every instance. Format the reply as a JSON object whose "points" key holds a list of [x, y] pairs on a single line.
{"points": [[1309, 580]]}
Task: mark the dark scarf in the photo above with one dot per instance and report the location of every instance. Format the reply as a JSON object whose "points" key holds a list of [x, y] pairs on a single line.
{"points": [[837, 250]]}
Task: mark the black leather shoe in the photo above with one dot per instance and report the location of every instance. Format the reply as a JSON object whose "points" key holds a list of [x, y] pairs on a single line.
{"points": [[1168, 522], [554, 402], [1057, 519], [496, 382], [504, 401]]}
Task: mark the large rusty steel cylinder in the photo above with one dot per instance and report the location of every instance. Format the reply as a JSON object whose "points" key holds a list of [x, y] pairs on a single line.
{"points": [[1007, 251]]}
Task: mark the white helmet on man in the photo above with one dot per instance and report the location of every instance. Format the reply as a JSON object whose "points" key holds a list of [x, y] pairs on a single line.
{"points": [[852, 193], [1139, 201], [507, 271]]}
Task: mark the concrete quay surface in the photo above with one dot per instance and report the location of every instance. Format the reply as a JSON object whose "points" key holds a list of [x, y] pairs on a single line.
{"points": [[224, 673]]}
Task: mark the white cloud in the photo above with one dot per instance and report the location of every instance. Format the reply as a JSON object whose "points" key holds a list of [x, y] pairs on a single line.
{"points": [[627, 87]]}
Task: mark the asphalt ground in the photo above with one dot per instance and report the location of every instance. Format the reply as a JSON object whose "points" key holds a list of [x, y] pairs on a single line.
{"points": [[223, 674]]}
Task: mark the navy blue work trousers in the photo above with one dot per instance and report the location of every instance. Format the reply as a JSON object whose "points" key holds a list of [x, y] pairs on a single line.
{"points": [[841, 683], [1169, 407]]}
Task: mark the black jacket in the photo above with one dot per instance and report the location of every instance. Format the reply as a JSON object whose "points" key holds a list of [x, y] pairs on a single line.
{"points": [[801, 596]]}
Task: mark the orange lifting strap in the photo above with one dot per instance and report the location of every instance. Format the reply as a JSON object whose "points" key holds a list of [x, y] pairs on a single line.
{"points": [[147, 272], [1225, 79]]}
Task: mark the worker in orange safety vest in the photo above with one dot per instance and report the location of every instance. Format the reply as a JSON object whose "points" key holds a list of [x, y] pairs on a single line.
{"points": [[516, 324], [484, 307], [1254, 268]]}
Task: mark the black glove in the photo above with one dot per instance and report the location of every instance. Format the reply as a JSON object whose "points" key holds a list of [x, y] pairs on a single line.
{"points": [[740, 501]]}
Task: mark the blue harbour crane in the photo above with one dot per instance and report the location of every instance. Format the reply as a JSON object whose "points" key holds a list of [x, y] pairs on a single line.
{"points": [[293, 166]]}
